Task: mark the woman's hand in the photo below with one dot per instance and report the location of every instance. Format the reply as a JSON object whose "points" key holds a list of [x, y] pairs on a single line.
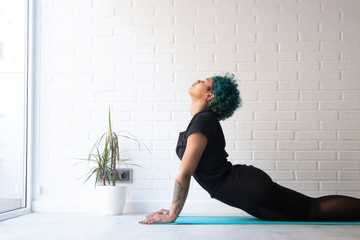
{"points": [[161, 216]]}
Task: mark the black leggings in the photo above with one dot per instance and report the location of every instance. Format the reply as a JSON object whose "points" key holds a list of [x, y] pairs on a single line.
{"points": [[252, 190]]}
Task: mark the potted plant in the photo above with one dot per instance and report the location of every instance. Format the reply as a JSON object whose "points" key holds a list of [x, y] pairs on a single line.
{"points": [[105, 155]]}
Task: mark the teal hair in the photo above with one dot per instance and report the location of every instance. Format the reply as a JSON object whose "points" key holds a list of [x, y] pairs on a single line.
{"points": [[226, 96]]}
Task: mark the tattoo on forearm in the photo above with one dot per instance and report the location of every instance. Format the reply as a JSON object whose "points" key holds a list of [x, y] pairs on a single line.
{"points": [[179, 197], [178, 210], [178, 191]]}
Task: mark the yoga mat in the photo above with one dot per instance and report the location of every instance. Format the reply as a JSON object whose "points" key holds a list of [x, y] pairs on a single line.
{"points": [[227, 220]]}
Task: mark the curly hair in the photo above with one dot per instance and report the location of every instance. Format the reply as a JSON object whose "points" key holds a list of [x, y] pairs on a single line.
{"points": [[226, 96]]}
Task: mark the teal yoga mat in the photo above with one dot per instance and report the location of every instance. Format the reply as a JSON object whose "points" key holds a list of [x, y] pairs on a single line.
{"points": [[227, 220]]}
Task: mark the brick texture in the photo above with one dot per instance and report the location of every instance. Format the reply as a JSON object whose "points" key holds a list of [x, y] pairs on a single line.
{"points": [[298, 65]]}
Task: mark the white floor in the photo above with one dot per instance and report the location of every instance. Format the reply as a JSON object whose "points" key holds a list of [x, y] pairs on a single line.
{"points": [[51, 226]]}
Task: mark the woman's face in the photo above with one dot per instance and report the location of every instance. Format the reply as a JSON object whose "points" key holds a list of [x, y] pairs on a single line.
{"points": [[201, 88]]}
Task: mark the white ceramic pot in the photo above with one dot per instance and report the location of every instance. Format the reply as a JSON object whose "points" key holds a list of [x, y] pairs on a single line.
{"points": [[110, 199]]}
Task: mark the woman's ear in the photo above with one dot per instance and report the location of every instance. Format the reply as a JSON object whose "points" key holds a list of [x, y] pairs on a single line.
{"points": [[209, 97]]}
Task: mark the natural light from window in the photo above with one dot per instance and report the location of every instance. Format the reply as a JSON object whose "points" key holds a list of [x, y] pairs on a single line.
{"points": [[13, 77]]}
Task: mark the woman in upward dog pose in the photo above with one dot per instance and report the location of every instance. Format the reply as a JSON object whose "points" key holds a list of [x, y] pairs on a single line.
{"points": [[201, 149]]}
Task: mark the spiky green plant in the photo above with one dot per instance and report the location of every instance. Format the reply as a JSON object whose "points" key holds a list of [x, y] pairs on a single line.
{"points": [[105, 155]]}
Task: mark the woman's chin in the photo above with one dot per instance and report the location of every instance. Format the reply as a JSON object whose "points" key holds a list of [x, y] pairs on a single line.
{"points": [[190, 92]]}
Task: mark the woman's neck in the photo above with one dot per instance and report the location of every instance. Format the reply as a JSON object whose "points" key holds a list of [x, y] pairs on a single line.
{"points": [[197, 106]]}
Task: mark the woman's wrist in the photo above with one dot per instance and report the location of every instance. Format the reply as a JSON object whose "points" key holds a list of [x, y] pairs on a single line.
{"points": [[172, 217]]}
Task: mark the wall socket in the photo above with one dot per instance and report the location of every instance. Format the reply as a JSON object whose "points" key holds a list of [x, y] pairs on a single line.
{"points": [[123, 175]]}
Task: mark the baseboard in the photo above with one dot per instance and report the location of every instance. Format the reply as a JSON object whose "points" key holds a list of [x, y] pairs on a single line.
{"points": [[134, 207]]}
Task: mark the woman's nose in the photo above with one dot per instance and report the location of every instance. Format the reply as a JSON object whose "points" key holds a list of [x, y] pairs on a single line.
{"points": [[198, 81]]}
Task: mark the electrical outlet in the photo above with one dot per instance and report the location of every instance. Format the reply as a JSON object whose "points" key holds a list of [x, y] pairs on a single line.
{"points": [[123, 175]]}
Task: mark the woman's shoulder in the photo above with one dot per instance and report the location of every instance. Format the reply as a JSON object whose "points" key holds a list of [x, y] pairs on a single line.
{"points": [[205, 122], [206, 116]]}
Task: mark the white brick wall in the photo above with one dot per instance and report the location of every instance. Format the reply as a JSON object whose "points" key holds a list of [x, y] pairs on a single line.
{"points": [[297, 61]]}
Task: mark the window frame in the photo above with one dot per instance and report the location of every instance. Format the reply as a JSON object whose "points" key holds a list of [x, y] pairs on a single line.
{"points": [[28, 143]]}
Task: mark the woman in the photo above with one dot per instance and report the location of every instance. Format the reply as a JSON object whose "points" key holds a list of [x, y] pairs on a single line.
{"points": [[201, 149]]}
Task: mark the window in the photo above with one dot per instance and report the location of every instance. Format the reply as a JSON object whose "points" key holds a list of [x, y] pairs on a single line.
{"points": [[14, 84]]}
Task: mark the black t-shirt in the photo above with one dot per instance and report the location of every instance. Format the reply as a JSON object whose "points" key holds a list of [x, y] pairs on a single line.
{"points": [[213, 166]]}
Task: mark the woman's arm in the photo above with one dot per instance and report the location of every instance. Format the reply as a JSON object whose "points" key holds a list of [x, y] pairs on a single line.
{"points": [[195, 147]]}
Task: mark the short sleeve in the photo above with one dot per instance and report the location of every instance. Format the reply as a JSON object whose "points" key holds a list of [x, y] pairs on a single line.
{"points": [[201, 123]]}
